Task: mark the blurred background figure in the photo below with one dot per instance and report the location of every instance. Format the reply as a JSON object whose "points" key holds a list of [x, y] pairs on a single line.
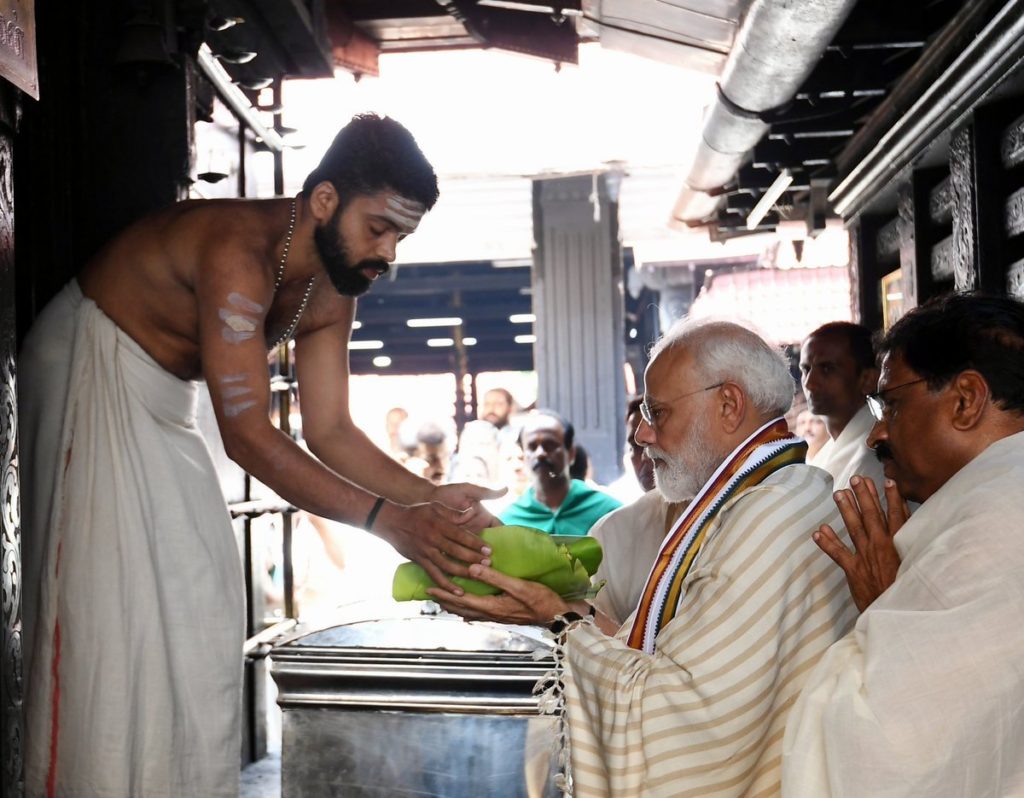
{"points": [[638, 478], [476, 459], [581, 468], [812, 429], [512, 474], [429, 454], [498, 408], [393, 423]]}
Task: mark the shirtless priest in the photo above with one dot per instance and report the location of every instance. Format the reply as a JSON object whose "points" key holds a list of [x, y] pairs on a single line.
{"points": [[134, 635]]}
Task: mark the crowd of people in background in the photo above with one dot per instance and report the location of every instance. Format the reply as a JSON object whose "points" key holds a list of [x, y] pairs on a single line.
{"points": [[549, 485]]}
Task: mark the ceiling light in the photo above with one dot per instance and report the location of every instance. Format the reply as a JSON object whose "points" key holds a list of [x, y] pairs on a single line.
{"points": [[471, 341], [780, 184], [451, 321], [440, 342], [382, 361], [365, 344], [526, 339], [356, 325], [522, 318], [513, 263]]}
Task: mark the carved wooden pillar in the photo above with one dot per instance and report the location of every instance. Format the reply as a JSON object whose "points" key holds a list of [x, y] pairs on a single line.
{"points": [[906, 208], [11, 777], [1012, 156], [925, 208], [965, 239], [979, 190]]}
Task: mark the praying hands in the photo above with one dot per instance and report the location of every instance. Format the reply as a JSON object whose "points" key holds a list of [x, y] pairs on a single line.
{"points": [[873, 564]]}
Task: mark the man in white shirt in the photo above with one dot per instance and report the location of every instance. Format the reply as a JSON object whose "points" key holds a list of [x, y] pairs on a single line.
{"points": [[924, 696], [837, 371]]}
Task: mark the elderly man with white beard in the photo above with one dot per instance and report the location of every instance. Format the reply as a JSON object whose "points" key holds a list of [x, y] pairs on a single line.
{"points": [[690, 696]]}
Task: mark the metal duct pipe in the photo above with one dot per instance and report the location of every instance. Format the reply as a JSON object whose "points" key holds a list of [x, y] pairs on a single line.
{"points": [[777, 46]]}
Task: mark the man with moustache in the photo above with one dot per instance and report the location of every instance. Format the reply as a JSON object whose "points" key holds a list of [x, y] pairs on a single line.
{"points": [[555, 502], [924, 695], [134, 637], [837, 371], [497, 407], [690, 697]]}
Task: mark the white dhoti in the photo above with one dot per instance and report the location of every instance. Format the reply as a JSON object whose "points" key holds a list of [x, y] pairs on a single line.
{"points": [[134, 610]]}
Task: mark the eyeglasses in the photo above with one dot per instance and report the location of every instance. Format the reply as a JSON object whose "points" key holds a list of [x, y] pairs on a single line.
{"points": [[650, 415], [877, 401]]}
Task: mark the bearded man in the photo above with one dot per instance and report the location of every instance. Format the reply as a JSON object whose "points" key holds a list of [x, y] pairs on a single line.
{"points": [[631, 536], [690, 696], [135, 631]]}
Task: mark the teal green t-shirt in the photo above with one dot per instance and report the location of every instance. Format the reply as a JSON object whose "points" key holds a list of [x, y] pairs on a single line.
{"points": [[582, 507]]}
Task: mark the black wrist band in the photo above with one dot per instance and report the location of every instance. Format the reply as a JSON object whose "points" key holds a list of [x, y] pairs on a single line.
{"points": [[368, 526]]}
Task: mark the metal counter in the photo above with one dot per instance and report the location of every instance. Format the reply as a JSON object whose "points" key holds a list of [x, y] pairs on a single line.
{"points": [[396, 699]]}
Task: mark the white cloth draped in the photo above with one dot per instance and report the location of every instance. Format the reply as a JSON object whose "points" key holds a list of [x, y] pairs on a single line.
{"points": [[630, 539], [925, 697], [848, 455], [703, 715], [133, 685]]}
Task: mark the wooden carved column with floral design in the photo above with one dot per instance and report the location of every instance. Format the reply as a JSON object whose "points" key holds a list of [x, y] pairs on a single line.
{"points": [[10, 503]]}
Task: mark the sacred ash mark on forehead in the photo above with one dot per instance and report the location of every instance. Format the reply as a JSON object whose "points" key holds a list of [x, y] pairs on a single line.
{"points": [[404, 213]]}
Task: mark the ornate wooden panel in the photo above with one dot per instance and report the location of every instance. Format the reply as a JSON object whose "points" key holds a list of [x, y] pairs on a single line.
{"points": [[1015, 280], [1014, 218], [943, 257], [10, 504], [907, 243], [940, 202], [965, 244], [887, 242], [1012, 145]]}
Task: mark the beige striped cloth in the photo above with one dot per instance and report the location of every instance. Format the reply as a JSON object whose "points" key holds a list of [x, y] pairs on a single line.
{"points": [[704, 715]]}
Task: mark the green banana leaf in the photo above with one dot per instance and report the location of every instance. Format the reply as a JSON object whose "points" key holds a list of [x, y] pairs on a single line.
{"points": [[523, 552]]}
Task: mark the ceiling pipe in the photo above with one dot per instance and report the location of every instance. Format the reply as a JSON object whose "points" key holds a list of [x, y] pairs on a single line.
{"points": [[776, 48]]}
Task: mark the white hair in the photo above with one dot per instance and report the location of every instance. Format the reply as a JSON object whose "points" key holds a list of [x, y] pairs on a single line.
{"points": [[724, 351]]}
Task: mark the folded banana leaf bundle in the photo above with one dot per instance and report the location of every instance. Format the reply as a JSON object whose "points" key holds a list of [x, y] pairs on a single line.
{"points": [[564, 564]]}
